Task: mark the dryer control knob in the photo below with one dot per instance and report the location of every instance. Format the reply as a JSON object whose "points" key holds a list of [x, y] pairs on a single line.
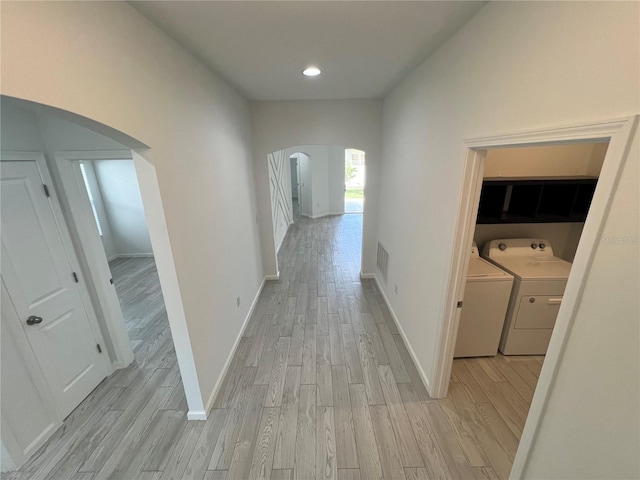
{"points": [[542, 245], [534, 245], [502, 247]]}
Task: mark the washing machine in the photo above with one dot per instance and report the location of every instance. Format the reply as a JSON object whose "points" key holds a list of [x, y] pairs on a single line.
{"points": [[540, 279], [486, 298]]}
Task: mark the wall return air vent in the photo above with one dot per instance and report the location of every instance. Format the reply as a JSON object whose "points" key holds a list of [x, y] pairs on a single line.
{"points": [[382, 262]]}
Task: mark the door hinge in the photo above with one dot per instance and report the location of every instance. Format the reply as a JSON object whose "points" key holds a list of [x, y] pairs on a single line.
{"points": [[46, 190], [99, 348], [460, 304], [75, 277]]}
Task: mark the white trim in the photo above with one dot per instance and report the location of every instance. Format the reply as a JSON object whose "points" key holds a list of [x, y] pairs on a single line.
{"points": [[272, 277], [90, 249], [587, 132], [161, 245], [405, 338], [196, 415], [463, 237], [619, 134], [63, 228], [227, 364], [370, 276]]}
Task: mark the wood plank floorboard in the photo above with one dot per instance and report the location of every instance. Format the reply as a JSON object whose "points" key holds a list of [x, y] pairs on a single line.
{"points": [[321, 386]]}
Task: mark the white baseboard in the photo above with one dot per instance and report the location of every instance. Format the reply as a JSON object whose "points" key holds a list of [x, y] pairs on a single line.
{"points": [[372, 276], [197, 415], [117, 365], [272, 277], [128, 255], [330, 214], [227, 364], [423, 376]]}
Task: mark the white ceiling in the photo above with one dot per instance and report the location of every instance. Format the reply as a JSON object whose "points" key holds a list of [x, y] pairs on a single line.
{"points": [[364, 48]]}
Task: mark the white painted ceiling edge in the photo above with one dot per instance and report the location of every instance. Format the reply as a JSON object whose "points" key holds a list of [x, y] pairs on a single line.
{"points": [[363, 48]]}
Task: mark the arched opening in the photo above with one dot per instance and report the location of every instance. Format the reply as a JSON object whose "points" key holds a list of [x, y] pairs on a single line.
{"points": [[98, 187], [354, 180], [312, 182]]}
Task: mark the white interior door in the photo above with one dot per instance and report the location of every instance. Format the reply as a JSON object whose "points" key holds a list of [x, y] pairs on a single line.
{"points": [[37, 272]]}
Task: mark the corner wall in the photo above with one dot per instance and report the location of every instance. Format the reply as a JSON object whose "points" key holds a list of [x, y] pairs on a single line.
{"points": [[120, 194], [106, 62], [519, 66]]}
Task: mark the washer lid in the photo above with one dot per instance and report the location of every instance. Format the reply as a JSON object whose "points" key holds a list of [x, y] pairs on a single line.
{"points": [[481, 269], [537, 267]]}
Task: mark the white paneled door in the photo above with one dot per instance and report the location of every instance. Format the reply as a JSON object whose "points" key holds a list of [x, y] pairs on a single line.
{"points": [[39, 278]]}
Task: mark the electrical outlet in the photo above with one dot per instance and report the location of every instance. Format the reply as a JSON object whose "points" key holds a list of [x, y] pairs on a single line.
{"points": [[238, 301], [396, 289]]}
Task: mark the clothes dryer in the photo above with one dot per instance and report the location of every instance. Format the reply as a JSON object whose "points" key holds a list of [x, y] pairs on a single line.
{"points": [[540, 280]]}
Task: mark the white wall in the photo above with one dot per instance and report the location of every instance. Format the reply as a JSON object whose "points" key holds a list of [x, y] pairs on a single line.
{"points": [[352, 123], [326, 178], [123, 205], [546, 161], [306, 202], [108, 242], [281, 200], [106, 62], [520, 66], [335, 186]]}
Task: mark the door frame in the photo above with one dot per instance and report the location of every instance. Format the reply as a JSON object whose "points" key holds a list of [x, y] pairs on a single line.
{"points": [[90, 249], [12, 453], [63, 228], [163, 256], [619, 134]]}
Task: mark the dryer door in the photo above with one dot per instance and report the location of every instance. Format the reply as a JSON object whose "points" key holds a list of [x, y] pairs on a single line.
{"points": [[537, 311]]}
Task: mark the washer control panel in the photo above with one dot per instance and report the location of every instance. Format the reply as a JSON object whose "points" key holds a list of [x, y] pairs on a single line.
{"points": [[517, 247]]}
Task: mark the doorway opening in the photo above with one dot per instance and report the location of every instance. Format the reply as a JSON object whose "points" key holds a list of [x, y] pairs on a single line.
{"points": [[517, 369], [531, 213], [310, 182], [54, 160], [112, 195], [354, 180]]}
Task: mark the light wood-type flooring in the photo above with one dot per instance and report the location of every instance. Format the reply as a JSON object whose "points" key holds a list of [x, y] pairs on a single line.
{"points": [[321, 387]]}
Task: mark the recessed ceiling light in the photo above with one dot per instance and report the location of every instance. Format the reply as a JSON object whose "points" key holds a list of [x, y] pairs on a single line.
{"points": [[311, 72]]}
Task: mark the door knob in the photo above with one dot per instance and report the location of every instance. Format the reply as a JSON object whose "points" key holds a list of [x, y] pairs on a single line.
{"points": [[32, 320]]}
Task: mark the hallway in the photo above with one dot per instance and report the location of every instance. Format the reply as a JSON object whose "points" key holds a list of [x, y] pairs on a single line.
{"points": [[321, 386]]}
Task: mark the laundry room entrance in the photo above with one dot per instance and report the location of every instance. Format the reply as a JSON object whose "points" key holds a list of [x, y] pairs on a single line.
{"points": [[531, 212], [531, 215]]}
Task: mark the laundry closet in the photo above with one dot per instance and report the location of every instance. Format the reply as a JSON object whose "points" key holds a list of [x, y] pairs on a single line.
{"points": [[533, 205]]}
